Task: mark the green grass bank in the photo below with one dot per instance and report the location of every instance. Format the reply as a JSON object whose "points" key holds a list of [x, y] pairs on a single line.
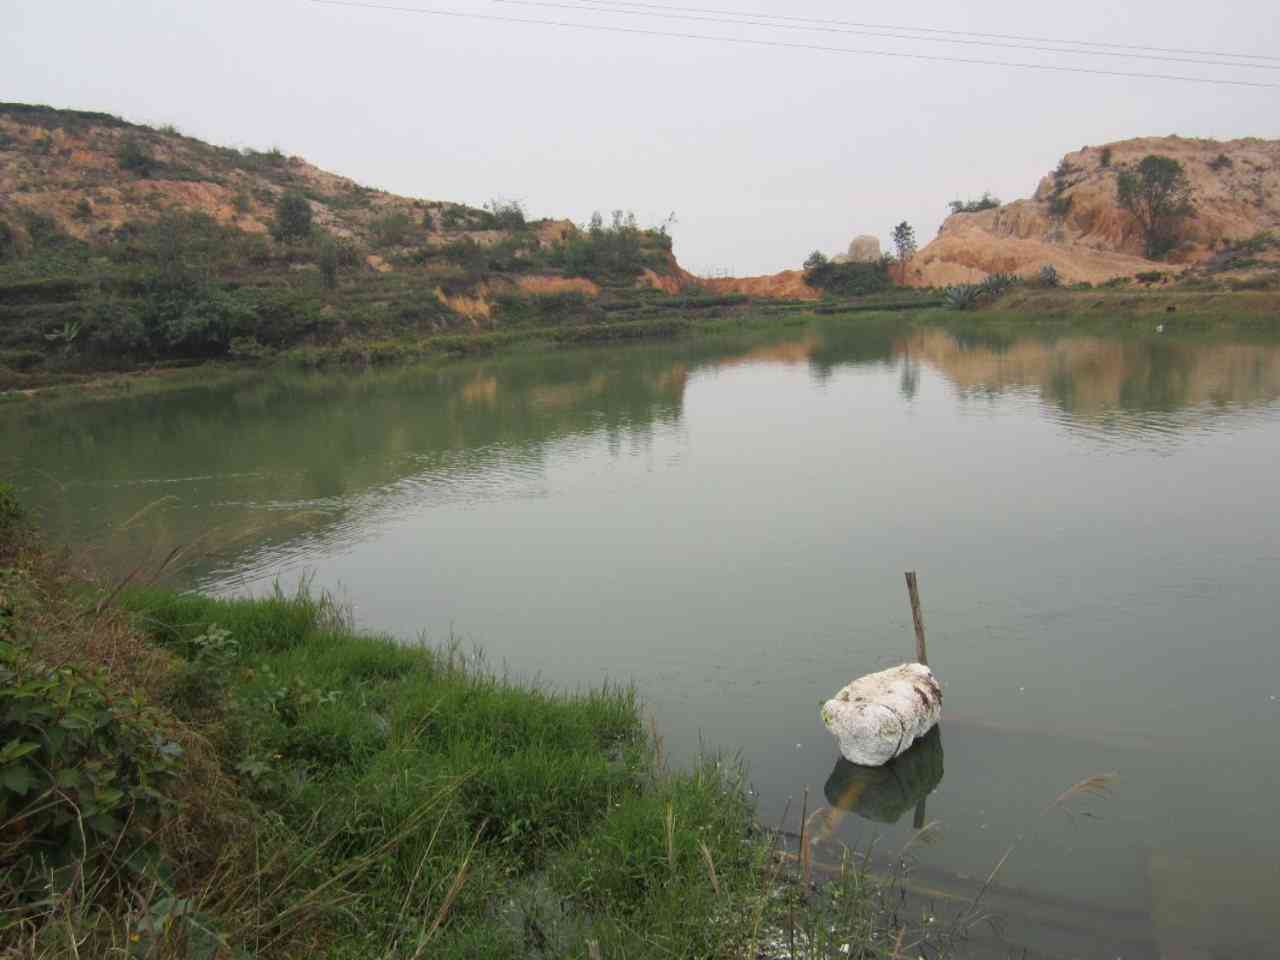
{"points": [[190, 777]]}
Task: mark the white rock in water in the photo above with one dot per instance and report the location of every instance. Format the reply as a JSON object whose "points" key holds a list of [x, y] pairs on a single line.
{"points": [[879, 716]]}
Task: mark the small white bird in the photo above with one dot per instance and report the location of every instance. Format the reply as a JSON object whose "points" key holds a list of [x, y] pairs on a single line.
{"points": [[1159, 328]]}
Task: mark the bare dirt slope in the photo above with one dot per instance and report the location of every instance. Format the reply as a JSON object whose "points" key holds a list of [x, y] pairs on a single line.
{"points": [[787, 285], [1074, 223], [74, 167]]}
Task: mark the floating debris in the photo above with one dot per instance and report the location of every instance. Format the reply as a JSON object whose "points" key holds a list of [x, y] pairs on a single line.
{"points": [[879, 716]]}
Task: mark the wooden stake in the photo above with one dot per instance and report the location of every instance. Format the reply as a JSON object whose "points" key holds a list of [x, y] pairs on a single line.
{"points": [[918, 821], [922, 656], [913, 591]]}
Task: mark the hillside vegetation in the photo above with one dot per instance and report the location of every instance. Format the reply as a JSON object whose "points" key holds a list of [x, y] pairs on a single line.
{"points": [[1077, 223], [123, 245]]}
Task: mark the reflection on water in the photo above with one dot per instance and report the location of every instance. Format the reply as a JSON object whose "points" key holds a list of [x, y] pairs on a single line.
{"points": [[786, 352], [725, 523], [1097, 381], [883, 794], [298, 452]]}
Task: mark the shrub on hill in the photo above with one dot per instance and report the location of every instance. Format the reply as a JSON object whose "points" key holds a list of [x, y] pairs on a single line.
{"points": [[293, 217], [506, 214], [134, 157], [985, 202], [391, 229], [613, 251], [1158, 195], [847, 279]]}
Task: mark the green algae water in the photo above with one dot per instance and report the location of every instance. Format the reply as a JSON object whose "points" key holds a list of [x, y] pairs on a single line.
{"points": [[725, 522]]}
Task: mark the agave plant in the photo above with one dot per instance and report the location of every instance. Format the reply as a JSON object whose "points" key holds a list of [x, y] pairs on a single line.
{"points": [[962, 296], [67, 335], [998, 284]]}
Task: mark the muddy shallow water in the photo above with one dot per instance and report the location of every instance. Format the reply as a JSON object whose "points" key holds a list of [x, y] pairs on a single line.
{"points": [[1095, 522]]}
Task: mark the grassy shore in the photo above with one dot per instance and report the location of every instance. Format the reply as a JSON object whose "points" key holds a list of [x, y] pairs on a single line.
{"points": [[359, 353], [1023, 311], [1120, 310], [184, 776]]}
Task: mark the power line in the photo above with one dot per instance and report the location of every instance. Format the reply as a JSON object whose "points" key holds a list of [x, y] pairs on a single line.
{"points": [[790, 45], [961, 33], [592, 7]]}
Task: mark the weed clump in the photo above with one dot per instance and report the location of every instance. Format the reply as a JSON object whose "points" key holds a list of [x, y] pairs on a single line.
{"points": [[134, 157], [85, 777], [293, 217]]}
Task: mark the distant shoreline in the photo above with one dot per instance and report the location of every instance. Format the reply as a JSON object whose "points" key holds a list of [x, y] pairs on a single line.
{"points": [[1093, 310]]}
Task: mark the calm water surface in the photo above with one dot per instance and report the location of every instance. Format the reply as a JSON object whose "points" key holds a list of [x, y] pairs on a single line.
{"points": [[1096, 524]]}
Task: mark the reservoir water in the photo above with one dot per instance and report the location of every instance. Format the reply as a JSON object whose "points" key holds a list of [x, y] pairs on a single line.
{"points": [[725, 523]]}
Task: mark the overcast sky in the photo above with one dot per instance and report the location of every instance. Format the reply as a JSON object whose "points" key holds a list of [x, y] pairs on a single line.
{"points": [[763, 153]]}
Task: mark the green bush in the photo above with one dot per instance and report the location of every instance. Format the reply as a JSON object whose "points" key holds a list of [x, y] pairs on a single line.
{"points": [[986, 202], [83, 772], [1221, 162], [506, 214], [847, 279], [293, 217], [391, 230], [282, 317], [514, 254], [259, 161], [618, 250], [1158, 195], [1106, 156], [452, 216], [205, 323], [115, 327], [182, 250], [1048, 276], [201, 682], [134, 157]]}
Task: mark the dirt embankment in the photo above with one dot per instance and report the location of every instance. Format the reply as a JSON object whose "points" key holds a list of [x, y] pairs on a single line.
{"points": [[787, 285], [1074, 223]]}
